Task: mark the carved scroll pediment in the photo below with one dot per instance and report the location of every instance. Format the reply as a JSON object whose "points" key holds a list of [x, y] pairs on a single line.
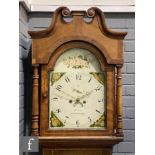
{"points": [[93, 31]]}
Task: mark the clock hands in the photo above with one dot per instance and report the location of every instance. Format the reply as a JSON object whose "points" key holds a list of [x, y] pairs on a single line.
{"points": [[86, 94], [77, 91], [68, 99], [68, 95], [76, 100], [61, 96], [83, 96]]}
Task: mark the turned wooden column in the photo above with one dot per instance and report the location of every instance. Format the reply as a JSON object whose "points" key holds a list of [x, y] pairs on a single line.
{"points": [[119, 100], [35, 102]]}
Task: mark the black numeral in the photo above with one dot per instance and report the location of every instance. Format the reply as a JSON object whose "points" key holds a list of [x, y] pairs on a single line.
{"points": [[58, 110], [98, 88], [67, 79], [59, 87], [78, 77], [54, 98], [66, 119], [77, 123], [89, 80], [98, 111], [100, 100]]}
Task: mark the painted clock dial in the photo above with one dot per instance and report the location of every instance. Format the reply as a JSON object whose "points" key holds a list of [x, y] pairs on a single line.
{"points": [[76, 91]]}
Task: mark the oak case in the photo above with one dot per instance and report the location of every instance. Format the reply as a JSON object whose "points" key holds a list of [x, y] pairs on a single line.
{"points": [[107, 46]]}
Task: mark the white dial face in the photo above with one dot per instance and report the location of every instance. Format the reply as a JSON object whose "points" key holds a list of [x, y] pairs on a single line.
{"points": [[76, 93]]}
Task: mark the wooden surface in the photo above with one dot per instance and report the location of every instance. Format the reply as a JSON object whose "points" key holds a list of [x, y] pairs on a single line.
{"points": [[35, 102], [107, 46], [94, 32], [78, 141], [77, 152], [109, 69]]}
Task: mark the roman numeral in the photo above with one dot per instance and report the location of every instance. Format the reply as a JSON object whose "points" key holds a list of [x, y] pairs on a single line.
{"points": [[98, 111], [59, 87], [66, 119], [67, 79], [78, 77]]}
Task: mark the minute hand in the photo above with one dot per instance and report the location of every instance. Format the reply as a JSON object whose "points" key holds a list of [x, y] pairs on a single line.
{"points": [[85, 95]]}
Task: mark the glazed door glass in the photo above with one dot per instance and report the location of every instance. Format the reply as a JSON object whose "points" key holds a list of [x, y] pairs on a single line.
{"points": [[77, 92]]}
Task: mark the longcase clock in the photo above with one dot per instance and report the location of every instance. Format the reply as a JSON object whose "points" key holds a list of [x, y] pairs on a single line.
{"points": [[77, 84]]}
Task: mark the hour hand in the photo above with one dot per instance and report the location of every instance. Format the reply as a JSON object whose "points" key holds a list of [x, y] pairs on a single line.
{"points": [[60, 96], [68, 95], [65, 98], [77, 91]]}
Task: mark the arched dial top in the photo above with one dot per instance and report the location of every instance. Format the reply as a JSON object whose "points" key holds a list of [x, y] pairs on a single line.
{"points": [[77, 60], [76, 91]]}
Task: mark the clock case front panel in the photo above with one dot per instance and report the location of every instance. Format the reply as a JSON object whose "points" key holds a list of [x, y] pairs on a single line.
{"points": [[109, 95]]}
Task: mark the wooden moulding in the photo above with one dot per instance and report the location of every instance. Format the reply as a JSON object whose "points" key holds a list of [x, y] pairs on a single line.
{"points": [[35, 102], [91, 12], [45, 42], [79, 141]]}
